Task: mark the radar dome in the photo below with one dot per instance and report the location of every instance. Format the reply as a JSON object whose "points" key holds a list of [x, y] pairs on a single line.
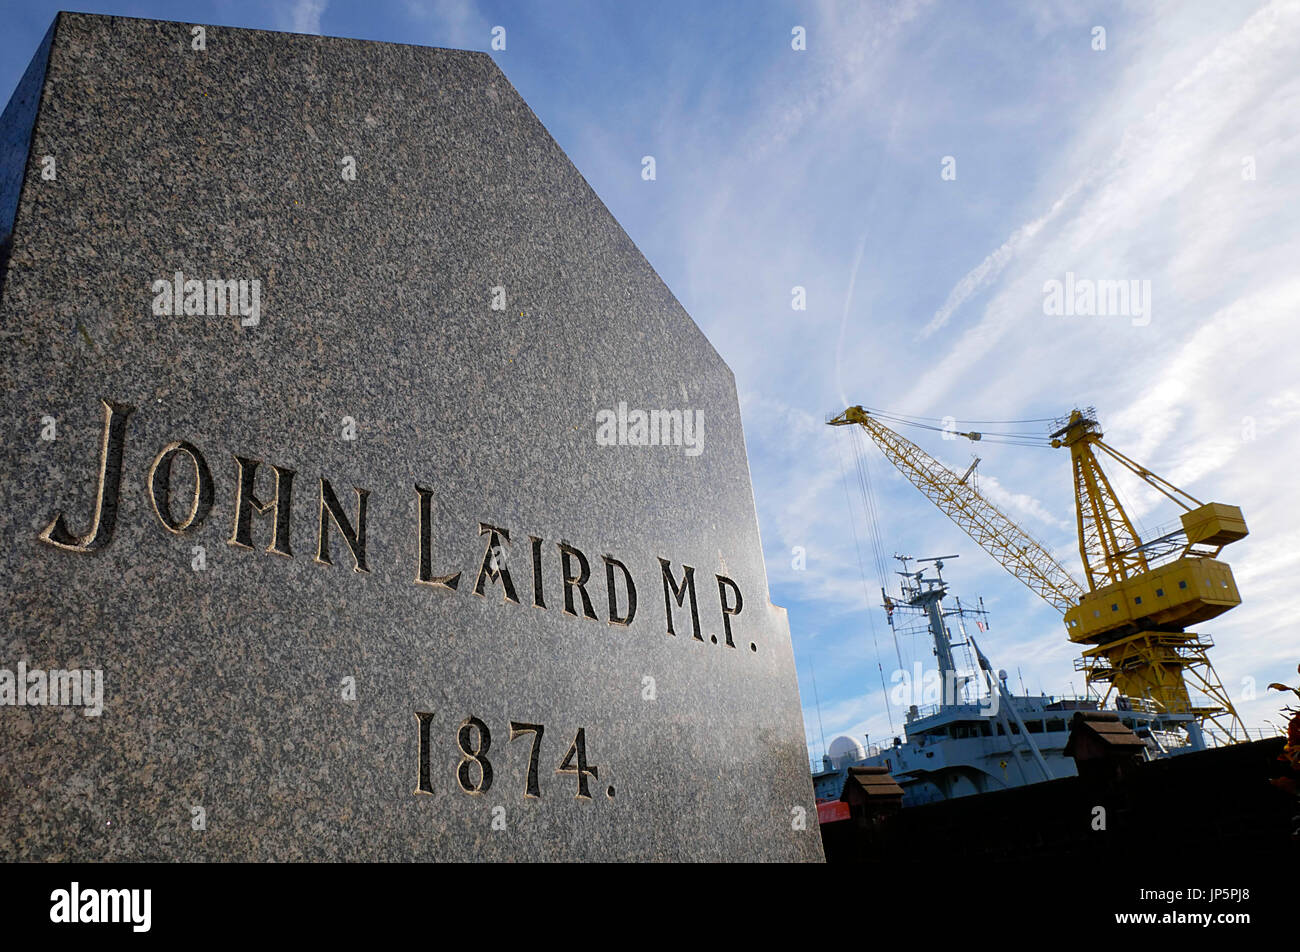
{"points": [[846, 750]]}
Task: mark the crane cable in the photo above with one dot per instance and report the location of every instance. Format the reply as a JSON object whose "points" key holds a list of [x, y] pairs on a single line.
{"points": [[862, 569], [882, 561], [867, 490], [909, 416], [1009, 439], [949, 425]]}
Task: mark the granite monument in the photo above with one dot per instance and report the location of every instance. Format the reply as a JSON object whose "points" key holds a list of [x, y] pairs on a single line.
{"points": [[365, 494]]}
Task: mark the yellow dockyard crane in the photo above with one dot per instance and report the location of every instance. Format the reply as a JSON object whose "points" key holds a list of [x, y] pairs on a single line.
{"points": [[1141, 595]]}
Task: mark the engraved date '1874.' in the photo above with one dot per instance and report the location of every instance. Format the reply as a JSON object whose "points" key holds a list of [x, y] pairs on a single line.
{"points": [[474, 772]]}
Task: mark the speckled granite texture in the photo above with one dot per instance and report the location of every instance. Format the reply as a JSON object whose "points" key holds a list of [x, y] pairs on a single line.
{"points": [[224, 686]]}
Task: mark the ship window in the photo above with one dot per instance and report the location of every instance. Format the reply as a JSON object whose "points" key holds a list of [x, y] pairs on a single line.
{"points": [[1114, 607], [1096, 613], [1160, 593], [1138, 600], [1182, 584], [1035, 727], [1056, 725]]}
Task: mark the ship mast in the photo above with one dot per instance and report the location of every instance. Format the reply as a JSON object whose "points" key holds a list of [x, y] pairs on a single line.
{"points": [[927, 595]]}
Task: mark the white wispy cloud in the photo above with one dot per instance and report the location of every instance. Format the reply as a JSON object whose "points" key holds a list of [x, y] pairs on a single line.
{"points": [[1192, 394], [1146, 184], [984, 273], [451, 23], [305, 16]]}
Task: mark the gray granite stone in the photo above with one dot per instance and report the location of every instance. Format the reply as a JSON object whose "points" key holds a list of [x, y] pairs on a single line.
{"points": [[224, 686]]}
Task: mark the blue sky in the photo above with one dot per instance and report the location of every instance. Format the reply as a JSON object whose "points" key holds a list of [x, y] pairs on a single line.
{"points": [[821, 168]]}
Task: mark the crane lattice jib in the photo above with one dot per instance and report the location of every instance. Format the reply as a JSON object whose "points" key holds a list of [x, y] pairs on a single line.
{"points": [[1021, 555]]}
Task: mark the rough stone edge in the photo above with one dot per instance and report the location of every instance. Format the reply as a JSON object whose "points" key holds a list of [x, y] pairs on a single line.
{"points": [[17, 125]]}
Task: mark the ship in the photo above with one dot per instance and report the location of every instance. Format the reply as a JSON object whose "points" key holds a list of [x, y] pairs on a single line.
{"points": [[977, 737]]}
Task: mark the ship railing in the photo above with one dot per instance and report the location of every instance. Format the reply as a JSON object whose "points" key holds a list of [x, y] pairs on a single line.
{"points": [[1217, 738], [1242, 734], [1168, 739], [839, 763], [929, 710], [982, 704]]}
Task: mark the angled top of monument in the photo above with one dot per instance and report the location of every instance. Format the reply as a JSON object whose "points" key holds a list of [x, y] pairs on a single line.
{"points": [[396, 504]]}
